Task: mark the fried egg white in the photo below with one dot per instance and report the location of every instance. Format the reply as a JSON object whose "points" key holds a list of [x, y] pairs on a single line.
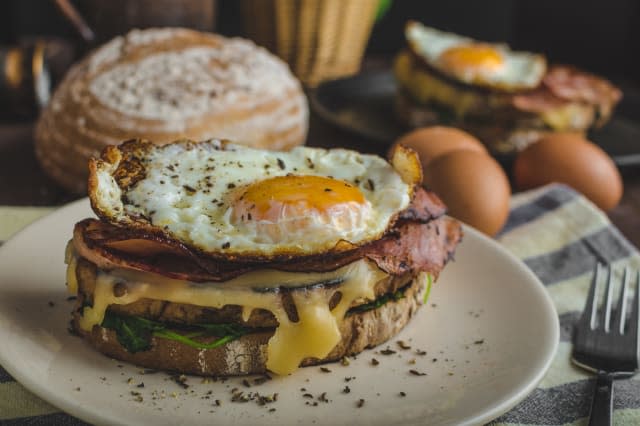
{"points": [[492, 66], [235, 200]]}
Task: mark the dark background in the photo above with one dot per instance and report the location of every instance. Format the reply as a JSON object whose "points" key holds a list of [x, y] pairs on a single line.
{"points": [[602, 36]]}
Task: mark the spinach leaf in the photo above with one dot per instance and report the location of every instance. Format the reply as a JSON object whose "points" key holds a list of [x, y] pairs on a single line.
{"points": [[380, 301], [427, 290], [134, 333]]}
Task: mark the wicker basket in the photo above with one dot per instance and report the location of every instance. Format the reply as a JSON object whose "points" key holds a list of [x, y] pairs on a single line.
{"points": [[320, 39]]}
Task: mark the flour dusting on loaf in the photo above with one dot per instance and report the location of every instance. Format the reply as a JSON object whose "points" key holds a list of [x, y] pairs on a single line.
{"points": [[195, 81], [165, 84]]}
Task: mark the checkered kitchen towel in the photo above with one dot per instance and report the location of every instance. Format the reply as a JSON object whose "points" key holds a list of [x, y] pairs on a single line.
{"points": [[556, 232]]}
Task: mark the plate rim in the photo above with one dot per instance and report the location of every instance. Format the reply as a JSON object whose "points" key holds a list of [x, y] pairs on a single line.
{"points": [[73, 408], [555, 332]]}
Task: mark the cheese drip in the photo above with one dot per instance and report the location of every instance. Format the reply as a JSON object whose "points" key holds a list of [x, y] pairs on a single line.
{"points": [[71, 260], [314, 335]]}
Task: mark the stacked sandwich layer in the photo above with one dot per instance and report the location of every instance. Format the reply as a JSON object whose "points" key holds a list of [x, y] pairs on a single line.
{"points": [[272, 262], [504, 97]]}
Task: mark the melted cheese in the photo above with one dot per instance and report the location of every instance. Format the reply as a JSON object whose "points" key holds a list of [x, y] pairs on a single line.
{"points": [[71, 260], [315, 334]]}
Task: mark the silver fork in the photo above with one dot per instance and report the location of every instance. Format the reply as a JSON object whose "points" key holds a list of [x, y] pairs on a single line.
{"points": [[607, 344]]}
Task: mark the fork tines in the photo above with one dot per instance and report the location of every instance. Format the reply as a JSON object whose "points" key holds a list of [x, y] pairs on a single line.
{"points": [[610, 336]]}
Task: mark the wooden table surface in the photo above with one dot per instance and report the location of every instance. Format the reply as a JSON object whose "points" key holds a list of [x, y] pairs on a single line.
{"points": [[22, 182]]}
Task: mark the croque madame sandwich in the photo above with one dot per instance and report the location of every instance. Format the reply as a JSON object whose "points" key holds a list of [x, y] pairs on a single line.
{"points": [[506, 98], [216, 259]]}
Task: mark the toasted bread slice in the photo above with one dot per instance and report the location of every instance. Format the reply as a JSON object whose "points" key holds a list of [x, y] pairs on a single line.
{"points": [[247, 355]]}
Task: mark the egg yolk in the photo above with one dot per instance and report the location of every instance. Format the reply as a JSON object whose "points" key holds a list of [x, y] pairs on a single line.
{"points": [[286, 207], [471, 59]]}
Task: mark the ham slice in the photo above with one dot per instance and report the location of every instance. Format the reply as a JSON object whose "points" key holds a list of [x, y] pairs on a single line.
{"points": [[422, 239], [572, 84], [563, 85], [537, 101]]}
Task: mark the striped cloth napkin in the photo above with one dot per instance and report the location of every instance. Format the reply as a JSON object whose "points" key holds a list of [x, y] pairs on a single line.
{"points": [[556, 232]]}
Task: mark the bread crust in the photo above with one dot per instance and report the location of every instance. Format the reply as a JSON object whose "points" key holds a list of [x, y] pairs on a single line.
{"points": [[247, 355], [166, 84]]}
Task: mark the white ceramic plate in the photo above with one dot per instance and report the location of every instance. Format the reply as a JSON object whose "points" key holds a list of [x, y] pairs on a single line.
{"points": [[490, 332]]}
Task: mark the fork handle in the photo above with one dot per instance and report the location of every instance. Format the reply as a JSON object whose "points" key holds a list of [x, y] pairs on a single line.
{"points": [[602, 404]]}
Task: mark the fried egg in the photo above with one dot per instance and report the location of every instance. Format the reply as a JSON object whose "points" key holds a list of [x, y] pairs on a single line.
{"points": [[234, 200], [469, 61]]}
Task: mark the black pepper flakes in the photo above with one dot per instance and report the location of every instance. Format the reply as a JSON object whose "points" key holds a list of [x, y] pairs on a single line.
{"points": [[374, 362], [180, 380], [403, 394], [231, 185], [417, 373], [325, 370], [226, 245], [262, 379], [281, 164], [403, 345], [387, 351], [190, 190], [120, 289], [478, 342], [370, 185], [360, 403], [346, 389]]}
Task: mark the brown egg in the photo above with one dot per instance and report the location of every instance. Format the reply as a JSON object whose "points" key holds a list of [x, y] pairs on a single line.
{"points": [[432, 142], [473, 186], [572, 160]]}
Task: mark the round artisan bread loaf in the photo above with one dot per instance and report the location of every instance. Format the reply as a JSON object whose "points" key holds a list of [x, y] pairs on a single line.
{"points": [[166, 84], [248, 354]]}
